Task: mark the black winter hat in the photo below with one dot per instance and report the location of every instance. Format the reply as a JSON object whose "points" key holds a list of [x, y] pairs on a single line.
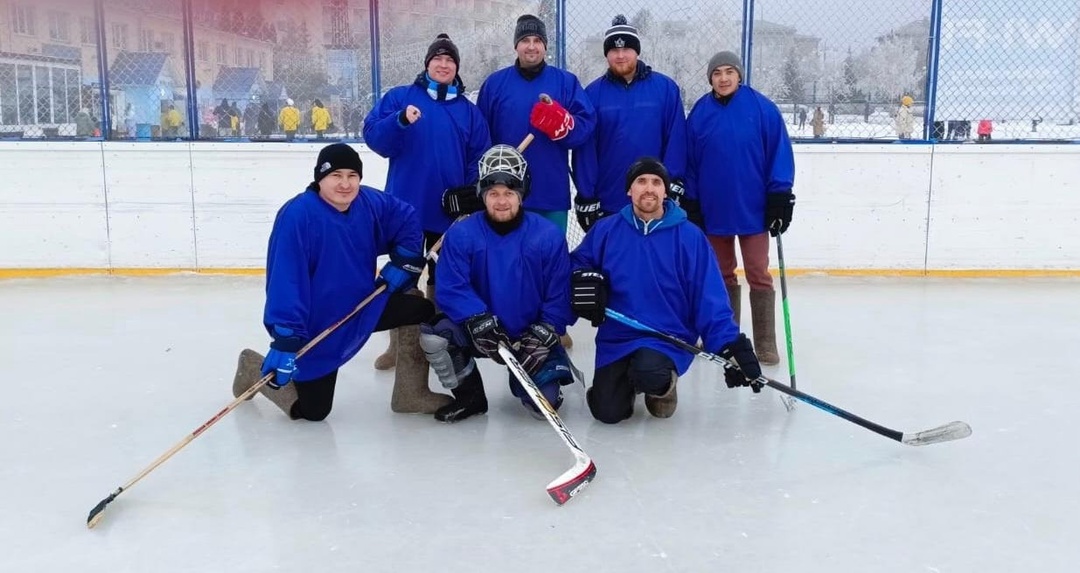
{"points": [[529, 25], [337, 156], [651, 166], [440, 47], [621, 35]]}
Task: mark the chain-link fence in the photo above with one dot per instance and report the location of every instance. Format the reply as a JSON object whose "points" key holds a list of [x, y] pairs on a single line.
{"points": [[838, 69]]}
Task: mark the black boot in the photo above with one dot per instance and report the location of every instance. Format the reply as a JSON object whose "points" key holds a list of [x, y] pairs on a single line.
{"points": [[469, 399]]}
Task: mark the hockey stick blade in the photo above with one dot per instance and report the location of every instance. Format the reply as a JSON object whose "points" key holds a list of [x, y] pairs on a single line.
{"points": [[563, 488], [946, 433]]}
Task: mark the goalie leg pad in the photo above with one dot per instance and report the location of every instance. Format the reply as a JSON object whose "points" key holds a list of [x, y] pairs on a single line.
{"points": [[446, 347]]}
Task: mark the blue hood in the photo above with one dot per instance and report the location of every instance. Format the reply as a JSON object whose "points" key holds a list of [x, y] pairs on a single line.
{"points": [[673, 216]]}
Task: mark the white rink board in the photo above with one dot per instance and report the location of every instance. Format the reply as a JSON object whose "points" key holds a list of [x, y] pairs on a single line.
{"points": [[204, 205]]}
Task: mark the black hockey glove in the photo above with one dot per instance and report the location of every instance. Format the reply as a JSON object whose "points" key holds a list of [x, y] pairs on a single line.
{"points": [[589, 295], [778, 210], [486, 332], [676, 192], [693, 212], [588, 212], [464, 200], [535, 346], [747, 371]]}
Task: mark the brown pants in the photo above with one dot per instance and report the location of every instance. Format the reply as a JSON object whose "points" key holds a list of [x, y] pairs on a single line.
{"points": [[755, 255]]}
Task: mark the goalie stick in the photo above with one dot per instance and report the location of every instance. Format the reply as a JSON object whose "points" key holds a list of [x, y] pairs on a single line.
{"points": [[945, 433], [96, 513], [563, 488]]}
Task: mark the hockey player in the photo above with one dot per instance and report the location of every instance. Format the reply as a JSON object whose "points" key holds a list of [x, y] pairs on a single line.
{"points": [[741, 168], [510, 100], [649, 263], [502, 279], [433, 136], [639, 113], [320, 264]]}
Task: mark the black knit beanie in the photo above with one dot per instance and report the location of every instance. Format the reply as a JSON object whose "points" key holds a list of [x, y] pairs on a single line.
{"points": [[651, 166], [337, 156], [529, 25], [621, 35], [440, 47]]}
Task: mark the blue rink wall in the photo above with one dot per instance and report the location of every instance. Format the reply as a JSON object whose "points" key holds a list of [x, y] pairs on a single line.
{"points": [[890, 209]]}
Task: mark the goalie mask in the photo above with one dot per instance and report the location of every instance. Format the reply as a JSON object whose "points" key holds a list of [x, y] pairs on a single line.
{"points": [[506, 165]]}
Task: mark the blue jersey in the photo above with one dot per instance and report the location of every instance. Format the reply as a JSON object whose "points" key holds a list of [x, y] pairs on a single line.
{"points": [[642, 118], [321, 263], [737, 153], [439, 151], [506, 100], [522, 277], [663, 274]]}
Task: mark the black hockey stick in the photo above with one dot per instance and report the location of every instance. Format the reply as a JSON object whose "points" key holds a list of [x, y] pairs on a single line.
{"points": [[950, 431], [96, 513], [573, 480]]}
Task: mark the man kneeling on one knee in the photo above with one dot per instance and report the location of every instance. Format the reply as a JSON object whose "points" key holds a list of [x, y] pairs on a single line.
{"points": [[650, 263]]}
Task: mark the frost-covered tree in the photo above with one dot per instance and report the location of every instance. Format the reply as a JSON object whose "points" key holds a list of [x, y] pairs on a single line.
{"points": [[892, 69]]}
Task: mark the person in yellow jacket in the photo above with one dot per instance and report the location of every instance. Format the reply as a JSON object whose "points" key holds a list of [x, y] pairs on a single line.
{"points": [[289, 120], [320, 118], [171, 121]]}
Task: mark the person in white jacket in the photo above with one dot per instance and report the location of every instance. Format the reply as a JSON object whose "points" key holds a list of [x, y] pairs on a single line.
{"points": [[905, 121]]}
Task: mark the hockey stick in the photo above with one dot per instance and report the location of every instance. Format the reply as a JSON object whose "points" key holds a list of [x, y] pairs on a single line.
{"points": [[788, 403], [96, 513], [433, 252], [573, 480], [950, 431]]}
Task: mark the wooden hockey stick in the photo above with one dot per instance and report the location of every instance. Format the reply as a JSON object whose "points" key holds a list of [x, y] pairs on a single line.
{"points": [[96, 513]]}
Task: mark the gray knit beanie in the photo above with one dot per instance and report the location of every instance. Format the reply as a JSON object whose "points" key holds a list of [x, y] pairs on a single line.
{"points": [[725, 58]]}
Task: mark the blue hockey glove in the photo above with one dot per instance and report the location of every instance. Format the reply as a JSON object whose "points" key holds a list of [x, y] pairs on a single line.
{"points": [[403, 270], [281, 359]]}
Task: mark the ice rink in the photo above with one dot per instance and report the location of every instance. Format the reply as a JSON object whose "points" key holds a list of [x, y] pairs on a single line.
{"points": [[104, 374]]}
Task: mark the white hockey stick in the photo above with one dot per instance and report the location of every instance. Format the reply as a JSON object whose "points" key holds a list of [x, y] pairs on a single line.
{"points": [[573, 480]]}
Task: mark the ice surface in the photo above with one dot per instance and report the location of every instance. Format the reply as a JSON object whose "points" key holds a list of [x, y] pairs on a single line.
{"points": [[104, 374]]}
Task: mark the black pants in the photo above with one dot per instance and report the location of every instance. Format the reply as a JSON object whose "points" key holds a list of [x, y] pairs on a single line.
{"points": [[611, 398], [315, 398]]}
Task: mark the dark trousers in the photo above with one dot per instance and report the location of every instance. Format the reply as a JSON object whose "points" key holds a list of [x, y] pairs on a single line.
{"points": [[429, 241], [315, 398], [611, 398]]}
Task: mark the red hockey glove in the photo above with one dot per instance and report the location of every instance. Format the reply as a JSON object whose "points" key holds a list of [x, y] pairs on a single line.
{"points": [[552, 119]]}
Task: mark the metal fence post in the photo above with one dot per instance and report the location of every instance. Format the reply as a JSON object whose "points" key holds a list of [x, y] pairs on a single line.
{"points": [[560, 32], [933, 56], [376, 81], [103, 68], [747, 39], [192, 111]]}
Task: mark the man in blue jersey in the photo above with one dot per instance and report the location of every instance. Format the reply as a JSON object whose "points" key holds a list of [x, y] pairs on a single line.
{"points": [[649, 263], [320, 264], [509, 100], [741, 169], [502, 279], [639, 113], [433, 136]]}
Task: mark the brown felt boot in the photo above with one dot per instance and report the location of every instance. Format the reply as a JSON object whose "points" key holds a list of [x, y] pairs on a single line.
{"points": [[411, 394], [734, 294], [248, 373], [763, 313], [388, 359], [566, 341], [663, 406]]}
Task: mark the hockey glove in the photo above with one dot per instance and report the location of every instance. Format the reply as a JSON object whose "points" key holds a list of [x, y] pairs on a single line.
{"points": [[535, 346], [487, 332], [281, 359], [464, 200], [588, 212], [403, 270], [589, 295], [551, 119], [676, 192], [779, 208], [747, 370]]}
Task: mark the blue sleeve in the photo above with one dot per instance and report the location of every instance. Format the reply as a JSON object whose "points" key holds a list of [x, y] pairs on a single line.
{"points": [[585, 256], [402, 226], [556, 305], [382, 131], [583, 162], [714, 320], [674, 154], [288, 281], [483, 101], [779, 157], [479, 142], [454, 293], [690, 178], [581, 108]]}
